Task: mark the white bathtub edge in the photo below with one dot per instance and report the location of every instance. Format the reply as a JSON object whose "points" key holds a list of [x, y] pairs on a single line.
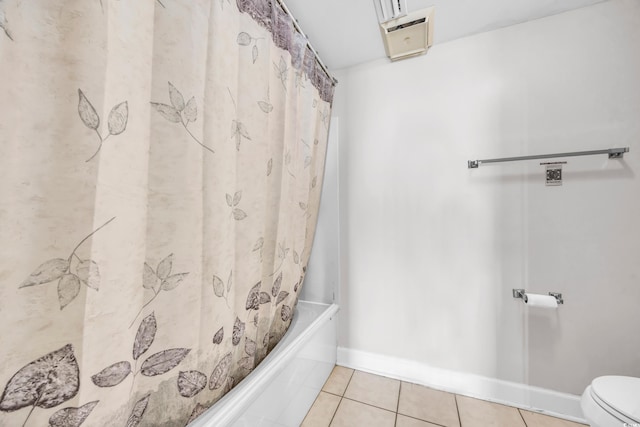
{"points": [[225, 411], [535, 399]]}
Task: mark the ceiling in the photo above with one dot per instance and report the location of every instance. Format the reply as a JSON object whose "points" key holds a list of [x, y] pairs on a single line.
{"points": [[345, 32]]}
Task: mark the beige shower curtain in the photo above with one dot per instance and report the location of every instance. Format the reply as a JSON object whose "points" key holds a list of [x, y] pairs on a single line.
{"points": [[161, 165]]}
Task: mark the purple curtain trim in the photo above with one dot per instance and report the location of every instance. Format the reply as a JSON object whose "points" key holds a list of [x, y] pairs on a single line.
{"points": [[271, 16]]}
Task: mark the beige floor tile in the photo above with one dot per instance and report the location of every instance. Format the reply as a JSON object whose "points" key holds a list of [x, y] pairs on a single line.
{"points": [[480, 413], [374, 390], [533, 419], [428, 405], [338, 380], [356, 414], [404, 421], [322, 411]]}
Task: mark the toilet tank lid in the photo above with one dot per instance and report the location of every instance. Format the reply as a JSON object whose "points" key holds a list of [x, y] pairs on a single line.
{"points": [[620, 393]]}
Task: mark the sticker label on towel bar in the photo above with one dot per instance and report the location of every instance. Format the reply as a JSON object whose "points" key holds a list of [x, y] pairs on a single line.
{"points": [[553, 173]]}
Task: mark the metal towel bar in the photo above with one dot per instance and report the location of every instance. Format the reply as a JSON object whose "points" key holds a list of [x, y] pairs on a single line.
{"points": [[614, 153]]}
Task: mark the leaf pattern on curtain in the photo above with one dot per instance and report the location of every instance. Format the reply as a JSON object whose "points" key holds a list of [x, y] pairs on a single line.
{"points": [[218, 336], [232, 202], [180, 112], [69, 281], [44, 383], [238, 132], [116, 123], [191, 383], [245, 39], [266, 107], [159, 280], [221, 290], [282, 72], [210, 108], [4, 25], [138, 411], [72, 417], [157, 364]]}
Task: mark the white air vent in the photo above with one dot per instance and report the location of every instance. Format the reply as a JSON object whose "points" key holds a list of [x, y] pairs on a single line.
{"points": [[408, 36], [390, 9]]}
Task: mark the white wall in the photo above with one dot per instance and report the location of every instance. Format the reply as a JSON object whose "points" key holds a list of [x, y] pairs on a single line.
{"points": [[430, 250], [322, 278]]}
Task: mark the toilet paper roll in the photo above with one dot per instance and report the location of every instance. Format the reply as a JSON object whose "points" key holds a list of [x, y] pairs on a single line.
{"points": [[536, 300]]}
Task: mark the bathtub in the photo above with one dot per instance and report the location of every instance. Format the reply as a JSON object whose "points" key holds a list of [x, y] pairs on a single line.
{"points": [[280, 391]]}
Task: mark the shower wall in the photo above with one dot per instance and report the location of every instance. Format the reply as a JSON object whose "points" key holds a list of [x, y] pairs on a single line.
{"points": [[322, 278], [430, 250]]}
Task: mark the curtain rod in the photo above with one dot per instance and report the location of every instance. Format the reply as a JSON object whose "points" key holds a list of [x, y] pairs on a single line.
{"points": [[315, 52], [614, 153]]}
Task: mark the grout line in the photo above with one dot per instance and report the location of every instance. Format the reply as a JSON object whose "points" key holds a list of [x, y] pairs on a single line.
{"points": [[335, 412], [368, 404], [420, 419], [332, 394], [395, 423], [455, 398], [348, 382], [325, 383], [522, 416], [412, 417]]}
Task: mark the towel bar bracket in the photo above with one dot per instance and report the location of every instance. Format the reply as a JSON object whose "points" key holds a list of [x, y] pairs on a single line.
{"points": [[518, 293]]}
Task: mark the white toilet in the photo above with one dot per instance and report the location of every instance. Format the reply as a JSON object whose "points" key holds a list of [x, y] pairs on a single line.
{"points": [[612, 401]]}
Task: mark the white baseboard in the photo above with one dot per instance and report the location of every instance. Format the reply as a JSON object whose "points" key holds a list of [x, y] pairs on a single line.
{"points": [[531, 398]]}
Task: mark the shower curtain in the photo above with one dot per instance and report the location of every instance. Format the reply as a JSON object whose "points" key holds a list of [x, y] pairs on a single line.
{"points": [[161, 165]]}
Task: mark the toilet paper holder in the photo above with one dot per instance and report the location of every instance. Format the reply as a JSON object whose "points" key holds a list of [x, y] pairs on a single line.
{"points": [[519, 293]]}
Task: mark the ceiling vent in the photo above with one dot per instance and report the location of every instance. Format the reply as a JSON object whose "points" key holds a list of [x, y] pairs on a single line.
{"points": [[409, 35], [390, 9]]}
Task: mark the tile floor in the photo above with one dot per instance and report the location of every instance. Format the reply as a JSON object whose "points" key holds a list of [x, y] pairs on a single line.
{"points": [[353, 398]]}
